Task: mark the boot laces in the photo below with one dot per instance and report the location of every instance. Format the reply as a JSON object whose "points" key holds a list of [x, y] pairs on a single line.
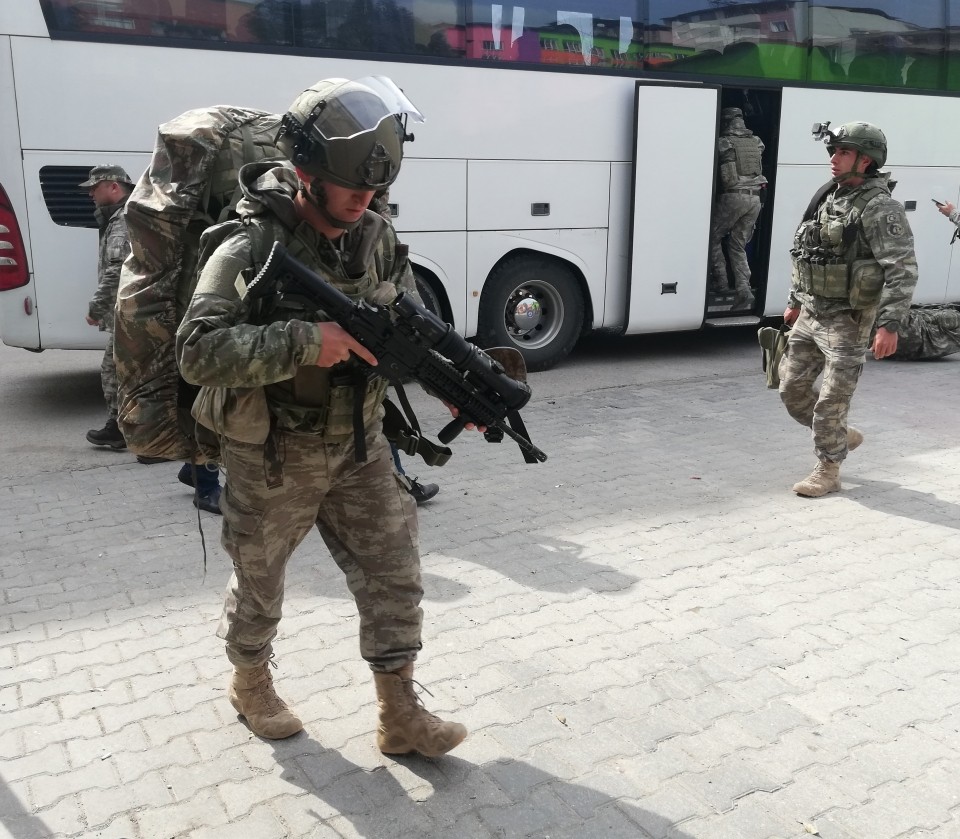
{"points": [[408, 687], [264, 688]]}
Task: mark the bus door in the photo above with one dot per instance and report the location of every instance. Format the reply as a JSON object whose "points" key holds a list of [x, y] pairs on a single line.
{"points": [[675, 139]]}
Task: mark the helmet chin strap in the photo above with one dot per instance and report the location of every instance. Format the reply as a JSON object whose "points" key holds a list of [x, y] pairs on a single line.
{"points": [[853, 173], [317, 196]]}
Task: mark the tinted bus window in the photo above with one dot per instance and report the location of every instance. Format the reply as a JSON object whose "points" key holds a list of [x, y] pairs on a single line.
{"points": [[879, 42], [758, 40]]}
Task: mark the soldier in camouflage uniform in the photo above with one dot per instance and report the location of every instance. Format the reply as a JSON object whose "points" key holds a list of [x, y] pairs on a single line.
{"points": [[928, 332], [287, 422], [737, 208], [109, 187], [853, 266]]}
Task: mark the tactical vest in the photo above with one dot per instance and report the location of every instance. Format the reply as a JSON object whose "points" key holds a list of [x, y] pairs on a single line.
{"points": [[747, 153], [827, 256], [331, 403]]}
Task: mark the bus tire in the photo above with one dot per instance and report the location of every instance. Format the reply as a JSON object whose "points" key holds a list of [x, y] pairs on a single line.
{"points": [[534, 303], [429, 297]]}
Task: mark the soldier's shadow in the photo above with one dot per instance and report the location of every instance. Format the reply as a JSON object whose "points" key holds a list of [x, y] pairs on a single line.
{"points": [[892, 499], [416, 796]]}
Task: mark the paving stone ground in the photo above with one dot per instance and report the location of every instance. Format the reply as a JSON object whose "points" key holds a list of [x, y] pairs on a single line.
{"points": [[648, 636]]}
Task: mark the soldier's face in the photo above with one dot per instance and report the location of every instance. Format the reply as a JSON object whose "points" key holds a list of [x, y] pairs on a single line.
{"points": [[104, 193], [347, 204], [845, 162]]}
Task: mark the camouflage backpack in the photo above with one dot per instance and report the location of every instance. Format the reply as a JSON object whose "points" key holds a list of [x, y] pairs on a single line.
{"points": [[191, 183]]}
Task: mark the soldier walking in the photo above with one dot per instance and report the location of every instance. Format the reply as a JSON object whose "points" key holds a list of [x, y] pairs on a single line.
{"points": [[109, 187], [853, 266]]}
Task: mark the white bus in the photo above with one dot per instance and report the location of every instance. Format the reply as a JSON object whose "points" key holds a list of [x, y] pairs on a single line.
{"points": [[564, 179]]}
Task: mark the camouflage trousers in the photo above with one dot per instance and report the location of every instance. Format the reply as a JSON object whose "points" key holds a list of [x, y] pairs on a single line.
{"points": [[734, 215], [834, 345], [274, 494], [108, 378]]}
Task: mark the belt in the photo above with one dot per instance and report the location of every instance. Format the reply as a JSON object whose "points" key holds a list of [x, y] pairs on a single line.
{"points": [[749, 190]]}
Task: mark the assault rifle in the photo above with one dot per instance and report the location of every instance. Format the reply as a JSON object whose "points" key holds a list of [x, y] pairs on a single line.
{"points": [[410, 342]]}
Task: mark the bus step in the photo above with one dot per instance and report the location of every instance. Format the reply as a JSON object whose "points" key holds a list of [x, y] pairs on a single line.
{"points": [[739, 320]]}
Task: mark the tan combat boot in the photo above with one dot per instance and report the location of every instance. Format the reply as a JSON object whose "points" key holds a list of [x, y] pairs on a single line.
{"points": [[405, 725], [854, 437], [252, 695], [823, 479]]}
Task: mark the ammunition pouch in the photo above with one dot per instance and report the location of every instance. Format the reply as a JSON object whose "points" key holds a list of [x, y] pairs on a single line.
{"points": [[823, 277], [866, 284], [334, 420]]}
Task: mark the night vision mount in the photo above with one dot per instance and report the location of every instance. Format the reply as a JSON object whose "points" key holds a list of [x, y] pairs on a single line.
{"points": [[821, 131]]}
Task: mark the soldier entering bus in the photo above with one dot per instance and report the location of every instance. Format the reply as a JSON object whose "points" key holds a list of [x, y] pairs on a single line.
{"points": [[740, 186]]}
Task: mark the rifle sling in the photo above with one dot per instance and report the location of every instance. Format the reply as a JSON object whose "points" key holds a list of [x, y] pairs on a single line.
{"points": [[406, 435], [513, 417]]}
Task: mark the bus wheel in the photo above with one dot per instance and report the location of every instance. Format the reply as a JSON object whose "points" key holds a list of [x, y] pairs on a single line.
{"points": [[429, 297], [533, 303]]}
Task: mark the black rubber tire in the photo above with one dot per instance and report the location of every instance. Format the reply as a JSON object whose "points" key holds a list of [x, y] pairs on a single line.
{"points": [[555, 286], [429, 297]]}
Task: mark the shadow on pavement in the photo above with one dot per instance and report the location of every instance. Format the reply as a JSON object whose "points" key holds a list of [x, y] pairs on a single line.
{"points": [[17, 821], [452, 797], [892, 499]]}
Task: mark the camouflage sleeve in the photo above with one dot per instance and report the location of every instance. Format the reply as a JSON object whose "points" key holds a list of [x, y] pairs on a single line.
{"points": [[216, 347], [728, 164], [890, 239], [116, 246], [955, 217]]}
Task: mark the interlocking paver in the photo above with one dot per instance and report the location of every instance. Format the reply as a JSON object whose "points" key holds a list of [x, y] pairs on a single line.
{"points": [[648, 635]]}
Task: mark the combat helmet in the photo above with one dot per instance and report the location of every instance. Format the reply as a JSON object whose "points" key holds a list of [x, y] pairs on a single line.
{"points": [[349, 133], [861, 136]]}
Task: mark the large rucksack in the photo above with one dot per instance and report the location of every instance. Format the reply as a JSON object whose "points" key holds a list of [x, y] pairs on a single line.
{"points": [[191, 183]]}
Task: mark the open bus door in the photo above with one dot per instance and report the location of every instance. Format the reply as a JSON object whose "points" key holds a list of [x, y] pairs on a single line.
{"points": [[675, 131]]}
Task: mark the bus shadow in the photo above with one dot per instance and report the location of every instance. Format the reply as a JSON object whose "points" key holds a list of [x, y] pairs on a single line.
{"points": [[893, 499], [453, 797]]}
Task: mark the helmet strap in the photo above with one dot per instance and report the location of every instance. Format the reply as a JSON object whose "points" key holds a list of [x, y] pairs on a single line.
{"points": [[853, 173]]}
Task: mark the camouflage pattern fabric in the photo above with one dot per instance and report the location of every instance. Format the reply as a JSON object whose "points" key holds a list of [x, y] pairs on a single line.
{"points": [[367, 520], [108, 378], [113, 250], [832, 343], [884, 236], [190, 184], [929, 332], [833, 338], [294, 480], [735, 216], [737, 206]]}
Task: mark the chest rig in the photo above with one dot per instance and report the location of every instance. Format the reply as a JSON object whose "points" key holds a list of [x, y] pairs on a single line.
{"points": [[829, 257], [335, 403]]}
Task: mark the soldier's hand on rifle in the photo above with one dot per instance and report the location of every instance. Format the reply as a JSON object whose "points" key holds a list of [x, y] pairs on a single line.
{"points": [[336, 344], [469, 426]]}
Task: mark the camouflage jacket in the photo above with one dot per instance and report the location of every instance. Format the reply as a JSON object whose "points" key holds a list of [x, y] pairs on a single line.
{"points": [[114, 248], [222, 343], [883, 234], [730, 175]]}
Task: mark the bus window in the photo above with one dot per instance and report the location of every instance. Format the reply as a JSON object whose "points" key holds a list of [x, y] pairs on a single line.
{"points": [[730, 39], [882, 43]]}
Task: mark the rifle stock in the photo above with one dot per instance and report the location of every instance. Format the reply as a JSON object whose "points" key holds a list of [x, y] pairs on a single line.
{"points": [[410, 342]]}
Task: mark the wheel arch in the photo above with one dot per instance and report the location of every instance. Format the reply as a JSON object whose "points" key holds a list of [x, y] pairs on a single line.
{"points": [[429, 276], [558, 256]]}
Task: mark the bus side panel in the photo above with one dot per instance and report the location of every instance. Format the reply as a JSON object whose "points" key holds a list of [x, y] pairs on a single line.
{"points": [[23, 18], [69, 270], [445, 256], [18, 316], [618, 251], [673, 198], [430, 195], [537, 195], [585, 250], [906, 121]]}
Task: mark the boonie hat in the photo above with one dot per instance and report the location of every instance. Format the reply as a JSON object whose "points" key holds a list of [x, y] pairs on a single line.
{"points": [[106, 173]]}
